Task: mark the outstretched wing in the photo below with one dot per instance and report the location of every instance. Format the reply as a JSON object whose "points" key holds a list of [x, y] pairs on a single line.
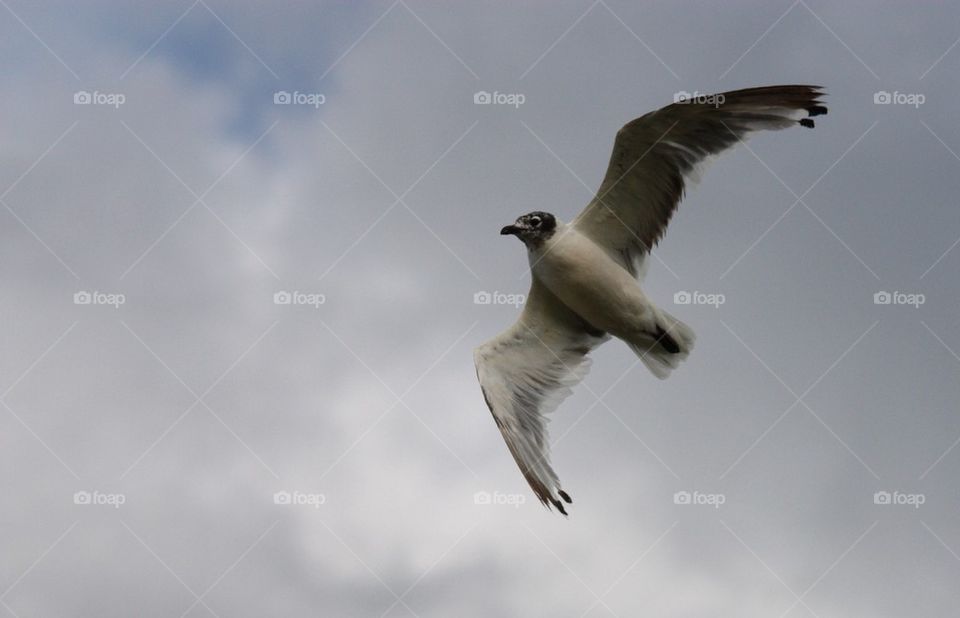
{"points": [[656, 154], [525, 372]]}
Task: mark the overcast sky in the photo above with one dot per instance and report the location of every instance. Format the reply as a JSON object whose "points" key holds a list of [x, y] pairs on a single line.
{"points": [[178, 440]]}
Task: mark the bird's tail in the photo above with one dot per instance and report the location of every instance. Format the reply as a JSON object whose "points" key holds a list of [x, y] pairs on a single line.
{"points": [[663, 350]]}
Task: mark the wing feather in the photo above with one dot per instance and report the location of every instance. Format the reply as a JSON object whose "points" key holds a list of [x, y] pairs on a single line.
{"points": [[656, 155], [525, 372]]}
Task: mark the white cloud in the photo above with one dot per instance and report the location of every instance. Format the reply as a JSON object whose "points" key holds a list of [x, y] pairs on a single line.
{"points": [[295, 401]]}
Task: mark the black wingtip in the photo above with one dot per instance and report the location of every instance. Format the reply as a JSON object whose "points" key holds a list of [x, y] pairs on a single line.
{"points": [[565, 496], [806, 122], [559, 506], [817, 110]]}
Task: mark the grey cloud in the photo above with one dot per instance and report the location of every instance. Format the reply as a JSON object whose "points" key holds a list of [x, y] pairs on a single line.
{"points": [[303, 398]]}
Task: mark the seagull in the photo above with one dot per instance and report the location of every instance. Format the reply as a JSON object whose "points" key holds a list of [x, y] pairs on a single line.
{"points": [[586, 274]]}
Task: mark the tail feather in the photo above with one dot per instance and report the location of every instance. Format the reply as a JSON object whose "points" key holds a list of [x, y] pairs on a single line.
{"points": [[664, 351]]}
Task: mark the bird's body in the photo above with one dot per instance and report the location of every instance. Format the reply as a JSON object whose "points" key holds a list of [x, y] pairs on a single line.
{"points": [[588, 281], [585, 275]]}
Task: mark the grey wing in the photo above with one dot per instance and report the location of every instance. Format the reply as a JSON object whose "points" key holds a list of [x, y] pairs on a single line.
{"points": [[656, 154], [525, 372]]}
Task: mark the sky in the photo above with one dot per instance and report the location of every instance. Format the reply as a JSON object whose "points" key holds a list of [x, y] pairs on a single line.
{"points": [[246, 253]]}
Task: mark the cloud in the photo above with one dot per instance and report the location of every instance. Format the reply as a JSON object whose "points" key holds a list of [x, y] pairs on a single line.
{"points": [[200, 398]]}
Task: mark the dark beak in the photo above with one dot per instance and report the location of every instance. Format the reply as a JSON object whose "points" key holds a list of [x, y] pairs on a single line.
{"points": [[510, 229]]}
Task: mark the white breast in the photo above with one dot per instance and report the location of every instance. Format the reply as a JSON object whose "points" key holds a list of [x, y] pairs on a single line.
{"points": [[588, 281]]}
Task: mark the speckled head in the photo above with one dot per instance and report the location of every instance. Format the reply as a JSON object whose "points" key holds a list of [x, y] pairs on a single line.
{"points": [[532, 228]]}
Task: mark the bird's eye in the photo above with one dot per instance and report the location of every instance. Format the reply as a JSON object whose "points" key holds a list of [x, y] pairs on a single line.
{"points": [[535, 221]]}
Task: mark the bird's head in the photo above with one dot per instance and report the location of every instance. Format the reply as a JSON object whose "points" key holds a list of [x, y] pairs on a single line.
{"points": [[532, 228]]}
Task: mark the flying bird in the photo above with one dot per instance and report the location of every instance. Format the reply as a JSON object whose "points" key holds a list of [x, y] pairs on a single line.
{"points": [[586, 274]]}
